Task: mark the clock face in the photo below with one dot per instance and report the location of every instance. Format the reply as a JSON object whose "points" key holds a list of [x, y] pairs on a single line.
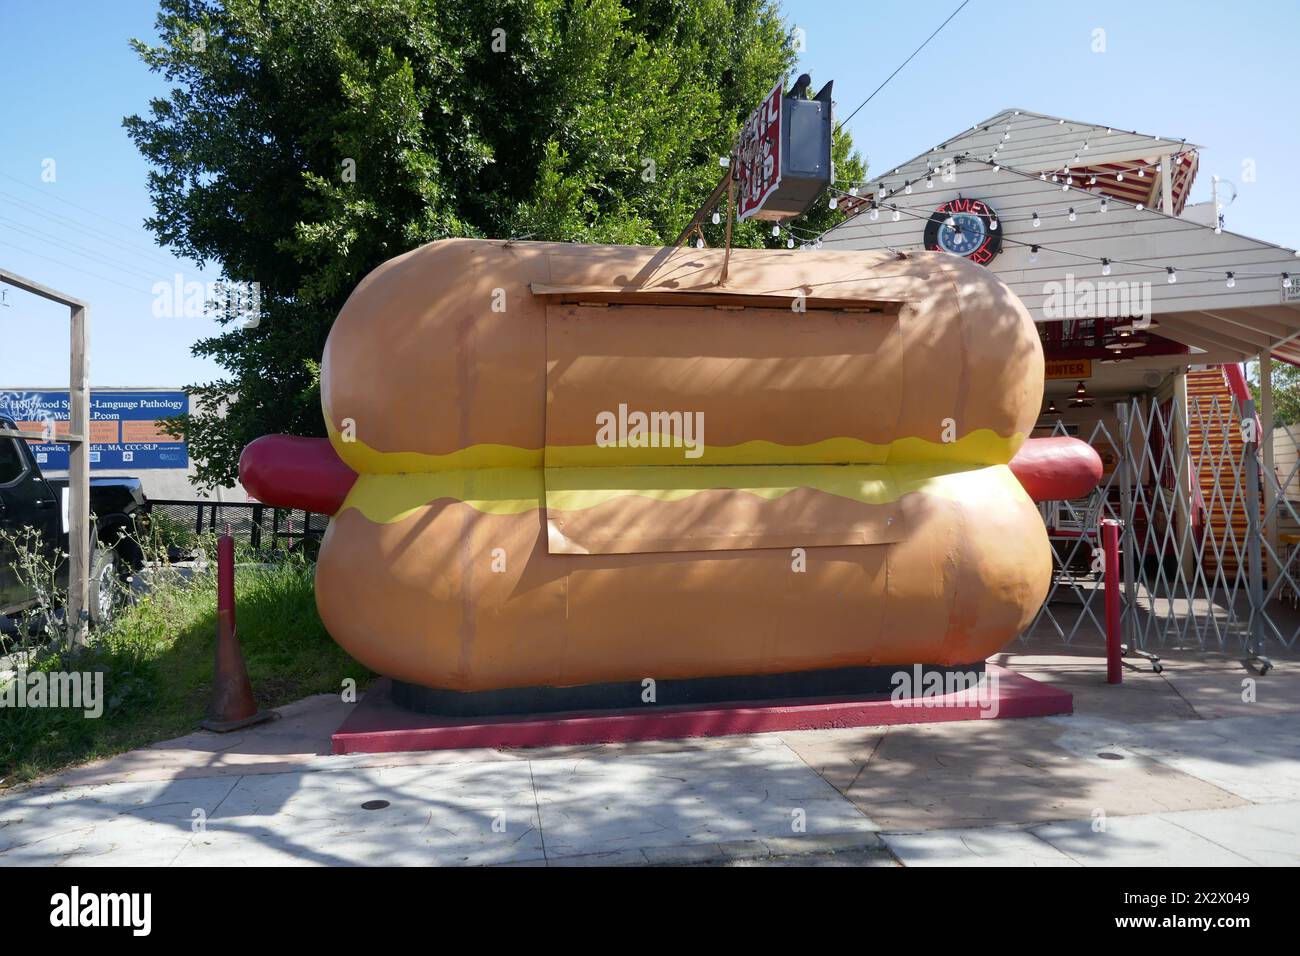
{"points": [[967, 228]]}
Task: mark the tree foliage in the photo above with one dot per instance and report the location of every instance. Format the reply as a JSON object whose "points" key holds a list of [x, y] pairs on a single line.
{"points": [[306, 141]]}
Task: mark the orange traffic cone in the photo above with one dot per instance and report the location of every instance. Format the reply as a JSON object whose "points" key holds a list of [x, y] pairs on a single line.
{"points": [[233, 705]]}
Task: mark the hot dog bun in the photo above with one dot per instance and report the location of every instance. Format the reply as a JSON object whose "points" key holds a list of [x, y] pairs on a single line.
{"points": [[851, 504]]}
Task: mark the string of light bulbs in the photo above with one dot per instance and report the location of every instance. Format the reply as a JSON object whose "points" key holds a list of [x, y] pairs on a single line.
{"points": [[1106, 262]]}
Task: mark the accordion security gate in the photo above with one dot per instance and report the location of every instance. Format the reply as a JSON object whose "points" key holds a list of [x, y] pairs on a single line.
{"points": [[1210, 545]]}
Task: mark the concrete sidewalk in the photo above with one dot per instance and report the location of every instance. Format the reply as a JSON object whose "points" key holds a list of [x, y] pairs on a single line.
{"points": [[1167, 769]]}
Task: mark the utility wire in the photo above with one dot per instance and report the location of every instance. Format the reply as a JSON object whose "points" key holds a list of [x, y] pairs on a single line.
{"points": [[845, 121]]}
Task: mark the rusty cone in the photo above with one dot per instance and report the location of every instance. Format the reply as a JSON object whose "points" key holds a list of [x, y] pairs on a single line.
{"points": [[233, 706]]}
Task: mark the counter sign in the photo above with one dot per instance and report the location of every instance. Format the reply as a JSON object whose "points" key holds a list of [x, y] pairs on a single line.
{"points": [[760, 155]]}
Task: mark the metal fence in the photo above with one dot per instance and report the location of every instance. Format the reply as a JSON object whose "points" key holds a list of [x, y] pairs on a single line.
{"points": [[1210, 533], [261, 527]]}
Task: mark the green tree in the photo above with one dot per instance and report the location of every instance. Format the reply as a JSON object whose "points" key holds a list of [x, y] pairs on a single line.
{"points": [[304, 142], [1286, 391]]}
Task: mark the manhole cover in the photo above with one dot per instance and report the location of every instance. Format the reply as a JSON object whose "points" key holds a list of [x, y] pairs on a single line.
{"points": [[374, 805], [1107, 755]]}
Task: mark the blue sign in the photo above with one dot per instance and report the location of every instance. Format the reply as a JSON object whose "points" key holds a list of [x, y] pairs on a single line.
{"points": [[124, 427]]}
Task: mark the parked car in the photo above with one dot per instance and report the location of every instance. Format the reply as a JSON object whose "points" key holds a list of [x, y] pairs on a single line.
{"points": [[30, 500]]}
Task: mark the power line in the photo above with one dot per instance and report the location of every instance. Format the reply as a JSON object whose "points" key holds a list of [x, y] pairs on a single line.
{"points": [[155, 254], [845, 121], [69, 265]]}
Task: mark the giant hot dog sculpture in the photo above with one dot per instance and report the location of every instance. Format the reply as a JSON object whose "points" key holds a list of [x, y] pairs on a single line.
{"points": [[552, 465]]}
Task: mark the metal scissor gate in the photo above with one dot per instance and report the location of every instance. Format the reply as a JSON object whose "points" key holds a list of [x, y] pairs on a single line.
{"points": [[1210, 531]]}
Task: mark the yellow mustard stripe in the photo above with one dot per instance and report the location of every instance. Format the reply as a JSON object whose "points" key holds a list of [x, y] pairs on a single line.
{"points": [[981, 447], [388, 498]]}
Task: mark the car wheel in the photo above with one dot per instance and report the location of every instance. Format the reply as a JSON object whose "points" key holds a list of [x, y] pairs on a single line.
{"points": [[105, 586]]}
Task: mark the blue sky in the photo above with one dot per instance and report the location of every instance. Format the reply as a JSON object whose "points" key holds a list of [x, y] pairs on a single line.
{"points": [[1223, 76]]}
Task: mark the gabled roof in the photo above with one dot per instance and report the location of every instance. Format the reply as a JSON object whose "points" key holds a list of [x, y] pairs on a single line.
{"points": [[1124, 163]]}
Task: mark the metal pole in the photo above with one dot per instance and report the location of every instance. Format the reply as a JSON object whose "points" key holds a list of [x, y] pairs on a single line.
{"points": [[79, 531], [1255, 582], [1114, 639], [1126, 512]]}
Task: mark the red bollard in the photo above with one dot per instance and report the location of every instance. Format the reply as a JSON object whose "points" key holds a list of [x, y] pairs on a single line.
{"points": [[233, 705], [1114, 637]]}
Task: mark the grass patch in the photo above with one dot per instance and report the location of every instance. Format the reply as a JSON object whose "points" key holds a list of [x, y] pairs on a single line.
{"points": [[156, 658]]}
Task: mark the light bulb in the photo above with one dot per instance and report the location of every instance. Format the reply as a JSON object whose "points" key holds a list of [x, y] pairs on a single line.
{"points": [[1043, 177], [1231, 281], [724, 161], [875, 213], [1119, 177], [1104, 206], [1033, 254], [1092, 180], [993, 223], [1218, 229], [699, 243], [1173, 276], [897, 214], [1142, 174], [776, 231], [1286, 280], [716, 219], [789, 243], [1105, 267], [929, 182], [1085, 144], [1139, 207], [1065, 187], [907, 187], [996, 167], [834, 202], [1073, 217], [853, 190]]}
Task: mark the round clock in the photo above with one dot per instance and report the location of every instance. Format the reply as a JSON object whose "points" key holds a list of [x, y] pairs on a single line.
{"points": [[965, 227]]}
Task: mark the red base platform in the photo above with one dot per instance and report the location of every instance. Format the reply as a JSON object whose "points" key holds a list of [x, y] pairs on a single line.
{"points": [[377, 725]]}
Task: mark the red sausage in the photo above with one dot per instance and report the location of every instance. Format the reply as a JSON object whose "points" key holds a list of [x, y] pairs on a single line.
{"points": [[1054, 469], [291, 472]]}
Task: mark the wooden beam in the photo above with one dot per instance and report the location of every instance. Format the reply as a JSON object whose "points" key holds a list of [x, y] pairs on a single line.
{"points": [[79, 543]]}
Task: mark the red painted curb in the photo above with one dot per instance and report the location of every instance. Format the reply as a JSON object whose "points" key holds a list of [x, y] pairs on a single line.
{"points": [[377, 725]]}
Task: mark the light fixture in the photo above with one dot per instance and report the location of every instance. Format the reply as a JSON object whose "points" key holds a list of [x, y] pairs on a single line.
{"points": [[834, 202], [907, 186], [1033, 254], [1051, 408], [875, 211], [776, 231], [1286, 280], [897, 214], [1037, 222], [993, 225], [1231, 281], [789, 243], [1105, 267], [716, 219], [1119, 177], [1073, 216], [1104, 205], [1173, 276]]}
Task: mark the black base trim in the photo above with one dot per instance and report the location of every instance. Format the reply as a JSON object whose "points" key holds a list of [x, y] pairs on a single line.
{"points": [[855, 682]]}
